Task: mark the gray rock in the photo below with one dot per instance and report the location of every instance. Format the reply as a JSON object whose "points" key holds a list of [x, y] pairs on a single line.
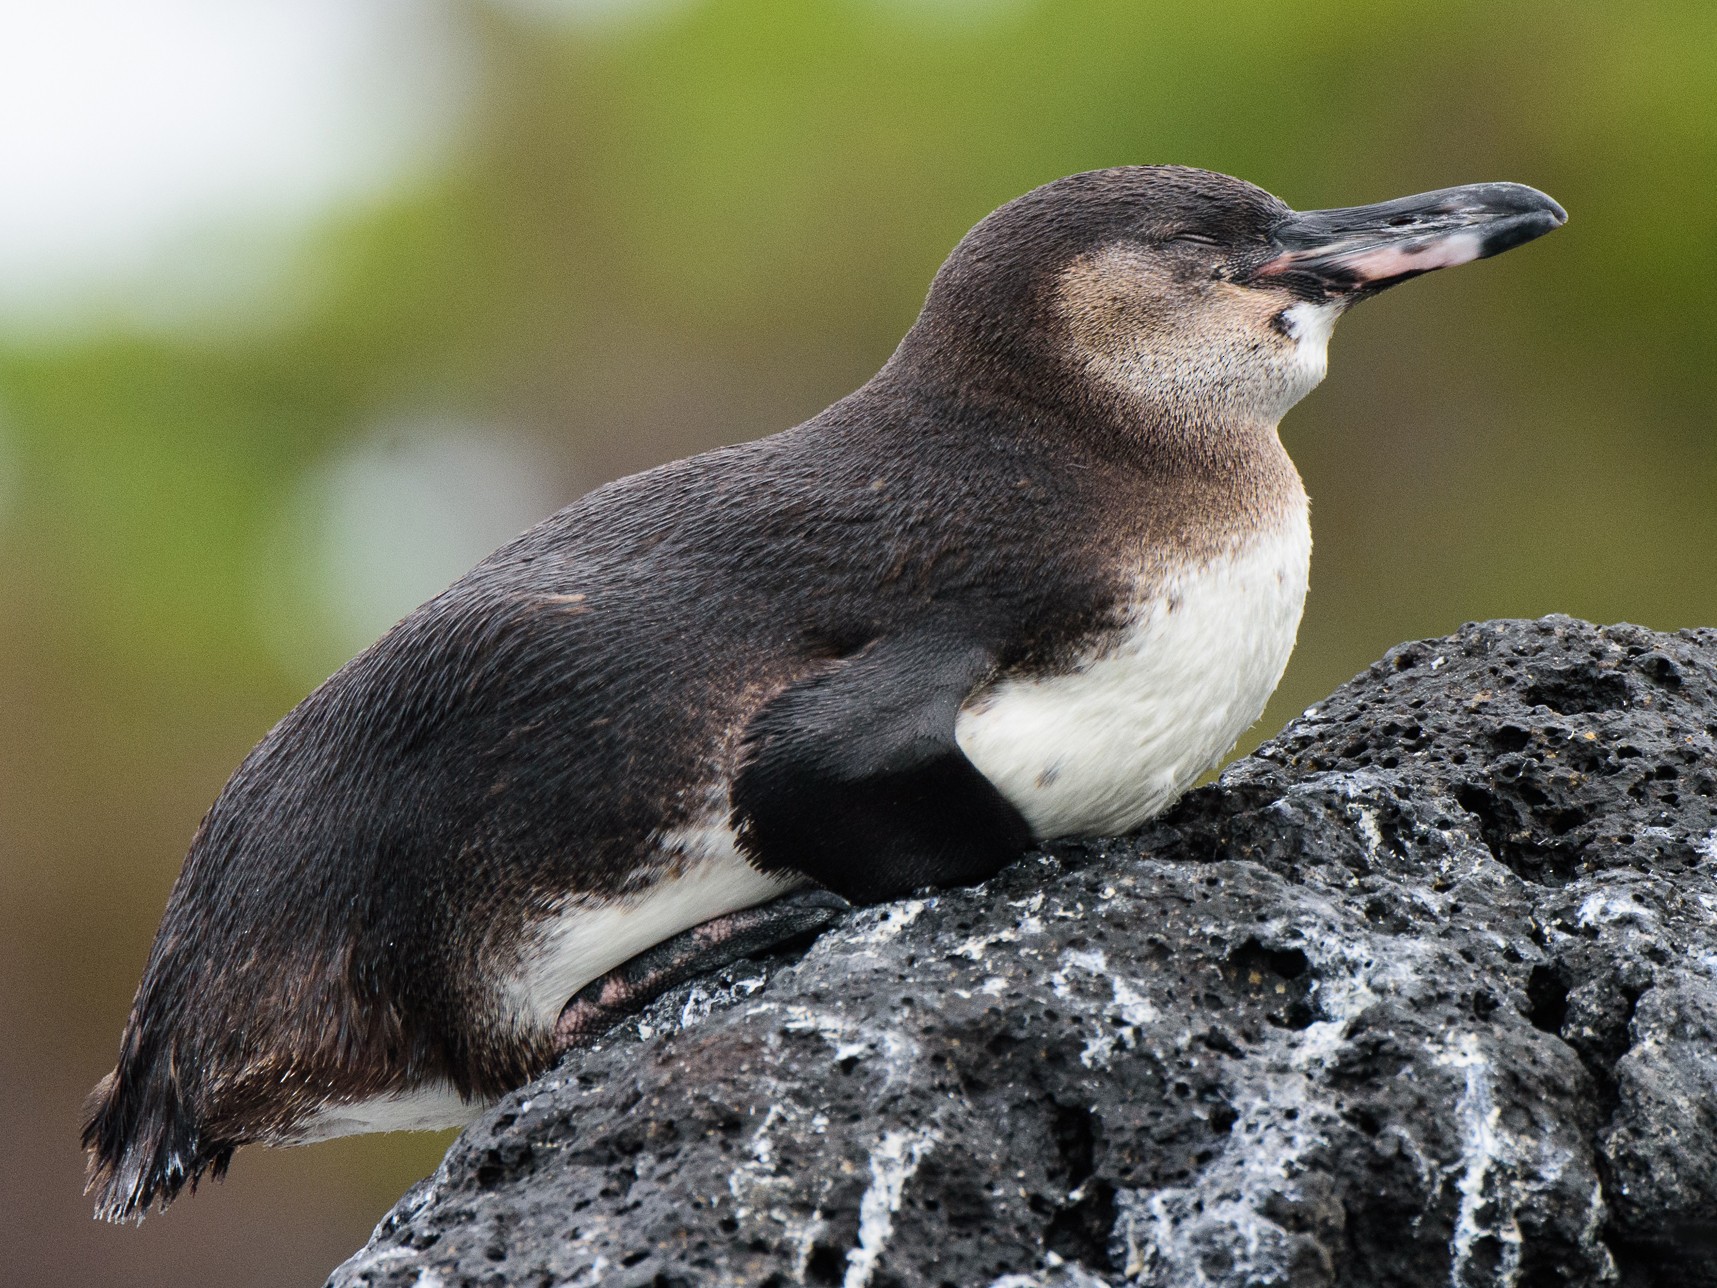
{"points": [[1423, 992]]}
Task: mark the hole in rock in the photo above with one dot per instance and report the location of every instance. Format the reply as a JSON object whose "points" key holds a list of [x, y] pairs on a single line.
{"points": [[1253, 957], [1546, 999], [1578, 690], [1080, 1232], [826, 1265], [1661, 669], [1278, 976], [1510, 738]]}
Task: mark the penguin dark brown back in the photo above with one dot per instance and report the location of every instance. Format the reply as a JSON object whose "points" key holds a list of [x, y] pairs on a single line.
{"points": [[1029, 581]]}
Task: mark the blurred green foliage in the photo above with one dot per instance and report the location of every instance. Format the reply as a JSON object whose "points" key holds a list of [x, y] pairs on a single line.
{"points": [[701, 227]]}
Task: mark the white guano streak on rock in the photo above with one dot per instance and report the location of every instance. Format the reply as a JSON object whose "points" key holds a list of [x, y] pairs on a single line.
{"points": [[892, 1164], [757, 1183], [759, 1168], [885, 923], [1369, 832], [1092, 961], [897, 1051], [1067, 1274], [1707, 849], [1484, 1146], [1169, 1233], [974, 949], [1609, 907], [802, 1236], [1132, 1007], [590, 1276], [1364, 816]]}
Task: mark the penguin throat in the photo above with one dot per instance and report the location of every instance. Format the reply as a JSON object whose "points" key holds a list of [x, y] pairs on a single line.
{"points": [[1308, 327]]}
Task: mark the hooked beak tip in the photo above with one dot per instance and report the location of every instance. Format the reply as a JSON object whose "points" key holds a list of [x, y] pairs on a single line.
{"points": [[1361, 250]]}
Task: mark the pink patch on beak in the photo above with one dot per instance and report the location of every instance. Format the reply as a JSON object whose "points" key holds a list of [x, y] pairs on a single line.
{"points": [[1381, 263]]}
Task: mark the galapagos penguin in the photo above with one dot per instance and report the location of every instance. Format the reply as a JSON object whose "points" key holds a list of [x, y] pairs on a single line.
{"points": [[1029, 581]]}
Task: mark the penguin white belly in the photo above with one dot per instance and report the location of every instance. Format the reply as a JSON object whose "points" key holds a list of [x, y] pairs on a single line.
{"points": [[1104, 747], [703, 876]]}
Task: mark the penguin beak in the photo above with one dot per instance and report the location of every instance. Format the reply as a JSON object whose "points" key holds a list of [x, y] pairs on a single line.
{"points": [[1359, 250]]}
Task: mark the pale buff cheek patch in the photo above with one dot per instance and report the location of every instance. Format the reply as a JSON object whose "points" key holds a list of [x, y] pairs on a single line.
{"points": [[1220, 352]]}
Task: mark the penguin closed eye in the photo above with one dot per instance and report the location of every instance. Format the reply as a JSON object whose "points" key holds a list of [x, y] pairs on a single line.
{"points": [[1030, 581]]}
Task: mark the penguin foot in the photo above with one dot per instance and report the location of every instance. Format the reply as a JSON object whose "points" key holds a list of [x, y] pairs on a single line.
{"points": [[721, 941]]}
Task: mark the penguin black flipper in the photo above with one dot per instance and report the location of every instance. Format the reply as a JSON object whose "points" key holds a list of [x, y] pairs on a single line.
{"points": [[854, 778]]}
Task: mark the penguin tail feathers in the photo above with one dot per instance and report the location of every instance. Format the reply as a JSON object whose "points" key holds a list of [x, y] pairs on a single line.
{"points": [[144, 1145]]}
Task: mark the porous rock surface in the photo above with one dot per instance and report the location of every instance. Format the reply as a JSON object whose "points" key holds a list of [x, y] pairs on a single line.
{"points": [[1423, 992]]}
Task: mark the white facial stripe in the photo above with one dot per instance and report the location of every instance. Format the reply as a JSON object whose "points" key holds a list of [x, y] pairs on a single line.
{"points": [[1311, 323], [1309, 326]]}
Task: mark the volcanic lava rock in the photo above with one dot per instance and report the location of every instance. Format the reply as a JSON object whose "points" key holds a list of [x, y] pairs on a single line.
{"points": [[1423, 992]]}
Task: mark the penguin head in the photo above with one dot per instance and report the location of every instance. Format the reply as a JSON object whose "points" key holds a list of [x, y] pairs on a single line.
{"points": [[1192, 295]]}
